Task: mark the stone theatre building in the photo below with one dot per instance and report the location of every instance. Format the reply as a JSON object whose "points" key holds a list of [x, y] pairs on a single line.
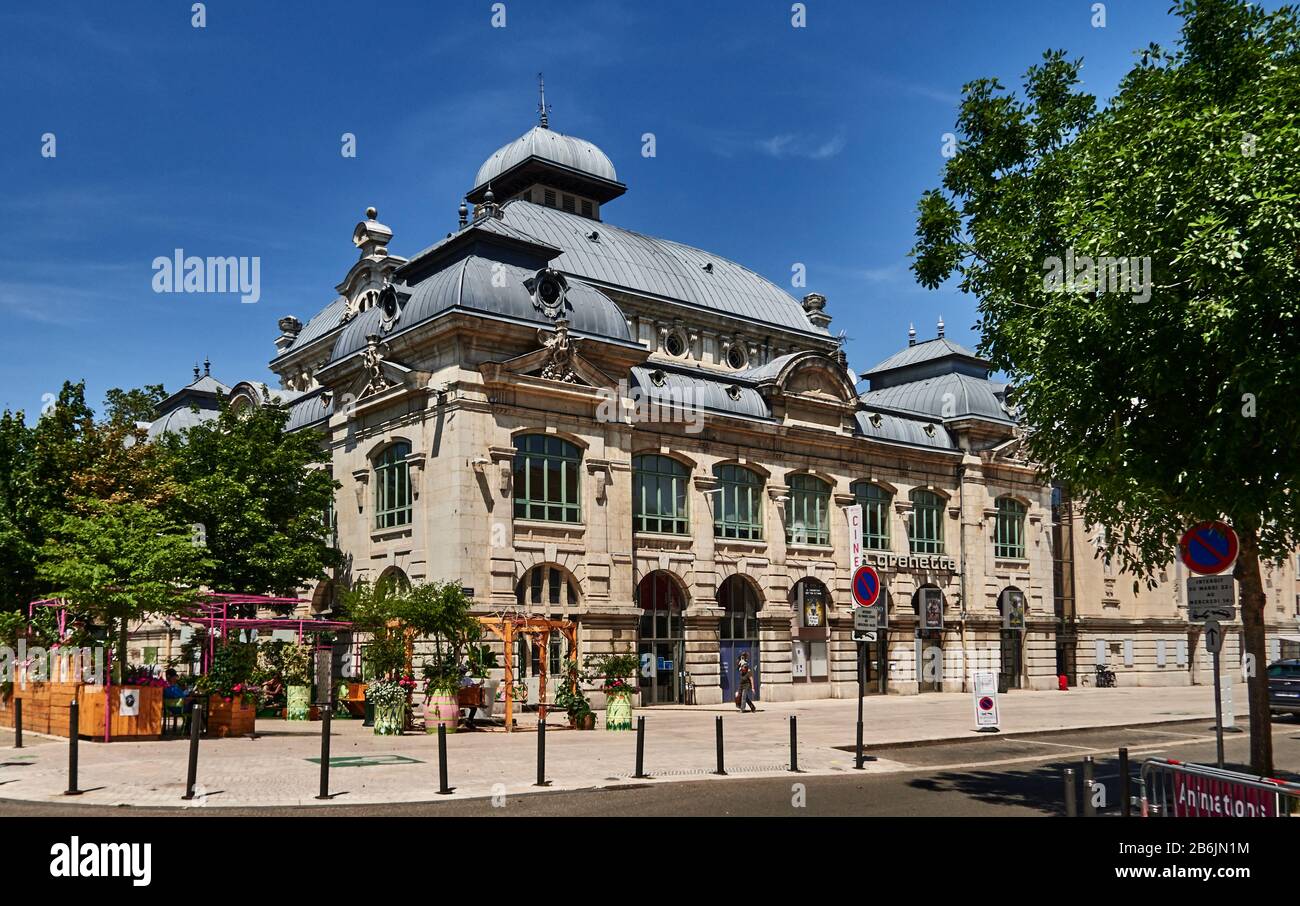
{"points": [[581, 421]]}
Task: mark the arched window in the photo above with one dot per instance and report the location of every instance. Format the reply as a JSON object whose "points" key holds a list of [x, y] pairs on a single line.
{"points": [[660, 638], [659, 485], [739, 509], [740, 603], [393, 486], [926, 524], [1009, 529], [546, 479], [547, 587], [875, 502], [807, 515]]}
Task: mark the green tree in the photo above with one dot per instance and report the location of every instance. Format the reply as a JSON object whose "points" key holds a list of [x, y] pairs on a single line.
{"points": [[139, 404], [1176, 402], [122, 562], [261, 495], [19, 527]]}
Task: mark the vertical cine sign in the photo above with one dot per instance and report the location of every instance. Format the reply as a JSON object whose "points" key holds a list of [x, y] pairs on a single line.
{"points": [[854, 514]]}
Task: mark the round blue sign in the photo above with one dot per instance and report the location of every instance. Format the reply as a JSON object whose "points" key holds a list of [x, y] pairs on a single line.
{"points": [[866, 586], [1209, 547]]}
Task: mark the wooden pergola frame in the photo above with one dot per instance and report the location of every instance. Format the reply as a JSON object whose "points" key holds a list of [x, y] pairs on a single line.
{"points": [[538, 630]]}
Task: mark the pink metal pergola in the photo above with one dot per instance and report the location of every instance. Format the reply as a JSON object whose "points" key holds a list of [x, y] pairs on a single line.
{"points": [[212, 611]]}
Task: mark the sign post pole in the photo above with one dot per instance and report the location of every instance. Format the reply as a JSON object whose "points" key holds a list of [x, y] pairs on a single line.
{"points": [[1214, 642], [862, 647]]}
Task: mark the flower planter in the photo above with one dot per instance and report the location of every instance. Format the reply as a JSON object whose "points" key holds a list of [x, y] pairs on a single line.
{"points": [[441, 710], [297, 703], [586, 722], [236, 717], [389, 719], [618, 711]]}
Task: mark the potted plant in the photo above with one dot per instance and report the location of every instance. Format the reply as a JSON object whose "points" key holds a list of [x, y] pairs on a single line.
{"points": [[389, 698], [570, 697], [441, 685], [617, 676], [295, 675], [232, 697]]}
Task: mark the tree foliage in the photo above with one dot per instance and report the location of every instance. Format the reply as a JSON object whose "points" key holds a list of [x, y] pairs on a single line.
{"points": [[1165, 407]]}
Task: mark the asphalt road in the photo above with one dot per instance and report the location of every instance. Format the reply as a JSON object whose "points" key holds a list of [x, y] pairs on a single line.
{"points": [[983, 776]]}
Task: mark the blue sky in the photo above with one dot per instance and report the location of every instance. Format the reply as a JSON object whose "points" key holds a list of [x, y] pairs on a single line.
{"points": [[775, 145]]}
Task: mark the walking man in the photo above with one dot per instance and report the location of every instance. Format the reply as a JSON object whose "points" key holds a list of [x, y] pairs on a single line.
{"points": [[746, 695]]}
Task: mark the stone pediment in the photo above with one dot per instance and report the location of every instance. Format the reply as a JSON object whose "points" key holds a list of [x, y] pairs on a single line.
{"points": [[558, 360]]}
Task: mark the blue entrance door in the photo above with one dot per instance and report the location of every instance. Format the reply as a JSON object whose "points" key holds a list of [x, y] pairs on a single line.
{"points": [[729, 651]]}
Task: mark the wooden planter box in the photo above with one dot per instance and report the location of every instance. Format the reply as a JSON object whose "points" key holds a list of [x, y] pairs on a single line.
{"points": [[45, 710], [236, 717]]}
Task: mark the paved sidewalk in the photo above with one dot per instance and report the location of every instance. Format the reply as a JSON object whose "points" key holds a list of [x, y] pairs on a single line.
{"points": [[273, 768]]}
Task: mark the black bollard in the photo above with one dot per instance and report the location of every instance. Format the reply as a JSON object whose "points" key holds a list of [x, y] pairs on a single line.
{"points": [[1089, 809], [18, 723], [192, 774], [1126, 803], [541, 753], [326, 713], [72, 751], [1071, 795], [794, 745], [720, 769], [443, 789], [640, 746]]}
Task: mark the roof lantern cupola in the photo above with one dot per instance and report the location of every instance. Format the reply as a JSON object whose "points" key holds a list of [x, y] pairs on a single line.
{"points": [[941, 327]]}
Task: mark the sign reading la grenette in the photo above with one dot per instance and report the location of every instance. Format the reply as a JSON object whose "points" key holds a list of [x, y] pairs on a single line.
{"points": [[911, 561]]}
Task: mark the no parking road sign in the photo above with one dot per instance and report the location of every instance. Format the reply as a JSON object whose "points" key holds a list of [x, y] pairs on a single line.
{"points": [[1209, 547], [866, 586]]}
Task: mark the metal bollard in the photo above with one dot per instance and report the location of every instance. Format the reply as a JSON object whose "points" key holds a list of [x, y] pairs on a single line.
{"points": [[18, 723], [192, 770], [1089, 808], [720, 770], [640, 747], [1071, 795], [794, 745], [326, 715], [72, 751], [443, 789], [541, 753], [1124, 781]]}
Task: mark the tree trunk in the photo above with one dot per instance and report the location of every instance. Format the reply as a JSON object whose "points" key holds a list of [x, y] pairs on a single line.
{"points": [[1252, 620]]}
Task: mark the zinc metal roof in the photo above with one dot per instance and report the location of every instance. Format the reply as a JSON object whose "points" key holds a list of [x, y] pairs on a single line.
{"points": [[328, 318], [946, 396], [468, 285], [180, 419], [309, 410], [898, 429], [699, 392], [924, 352], [566, 150], [660, 267]]}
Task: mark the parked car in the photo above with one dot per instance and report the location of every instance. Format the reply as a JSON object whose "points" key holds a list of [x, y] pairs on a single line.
{"points": [[1284, 686]]}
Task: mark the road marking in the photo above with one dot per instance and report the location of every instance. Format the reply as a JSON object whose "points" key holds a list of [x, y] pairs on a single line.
{"points": [[1165, 732]]}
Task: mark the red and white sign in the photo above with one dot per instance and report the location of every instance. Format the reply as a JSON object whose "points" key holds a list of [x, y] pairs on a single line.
{"points": [[1196, 796], [1208, 548], [866, 586]]}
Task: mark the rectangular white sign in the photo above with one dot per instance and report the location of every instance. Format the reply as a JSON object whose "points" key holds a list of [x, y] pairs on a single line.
{"points": [[854, 515], [985, 693], [1211, 597]]}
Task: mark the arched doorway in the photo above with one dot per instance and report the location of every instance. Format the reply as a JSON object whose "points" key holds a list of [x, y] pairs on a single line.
{"points": [[928, 604], [660, 638], [1011, 605], [810, 632], [737, 633]]}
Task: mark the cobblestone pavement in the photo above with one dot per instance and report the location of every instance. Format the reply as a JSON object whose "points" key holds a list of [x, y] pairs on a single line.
{"points": [[275, 767]]}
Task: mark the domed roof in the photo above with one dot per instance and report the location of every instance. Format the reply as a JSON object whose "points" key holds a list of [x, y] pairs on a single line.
{"points": [[474, 284], [565, 150]]}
